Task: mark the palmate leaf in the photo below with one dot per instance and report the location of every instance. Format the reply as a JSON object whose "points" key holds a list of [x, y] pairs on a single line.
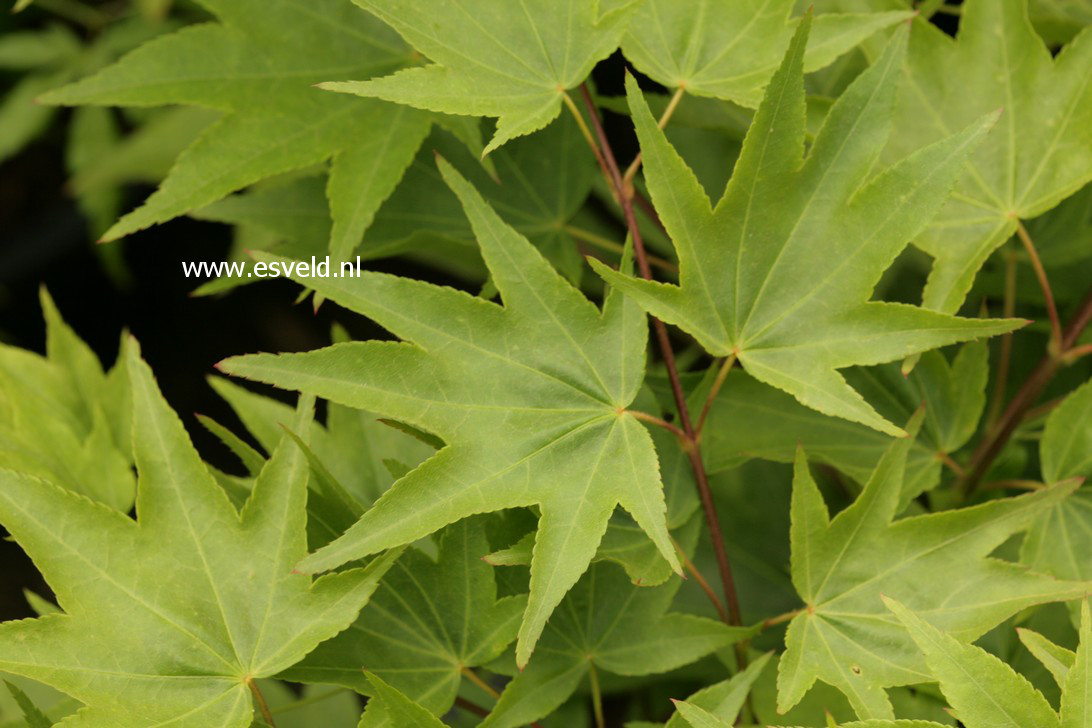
{"points": [[607, 623], [937, 563], [168, 618], [728, 49], [1060, 540], [749, 419], [530, 398], [428, 621], [1040, 153], [61, 415], [723, 700], [396, 708], [987, 693], [779, 273], [258, 66], [496, 58]]}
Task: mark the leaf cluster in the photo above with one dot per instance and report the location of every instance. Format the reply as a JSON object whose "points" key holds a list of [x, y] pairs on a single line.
{"points": [[778, 415]]}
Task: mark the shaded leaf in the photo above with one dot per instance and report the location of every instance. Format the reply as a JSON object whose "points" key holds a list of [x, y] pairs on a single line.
{"points": [[609, 624], [780, 272], [531, 398]]}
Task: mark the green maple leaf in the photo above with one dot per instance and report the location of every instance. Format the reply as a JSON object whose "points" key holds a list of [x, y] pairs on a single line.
{"points": [[1040, 153], [354, 446], [937, 563], [721, 701], [427, 623], [749, 419], [258, 66], [728, 49], [59, 416], [987, 693], [503, 59], [779, 273], [530, 398], [607, 623], [395, 708], [1060, 540], [168, 619]]}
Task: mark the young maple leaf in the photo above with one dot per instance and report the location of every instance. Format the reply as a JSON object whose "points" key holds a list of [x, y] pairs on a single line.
{"points": [[728, 49], [780, 272], [607, 623], [530, 398], [169, 619], [258, 66], [937, 563], [984, 692], [496, 58], [1060, 540], [1040, 153], [427, 623]]}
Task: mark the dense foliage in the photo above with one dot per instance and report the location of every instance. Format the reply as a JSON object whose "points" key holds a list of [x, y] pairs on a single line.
{"points": [[744, 379]]}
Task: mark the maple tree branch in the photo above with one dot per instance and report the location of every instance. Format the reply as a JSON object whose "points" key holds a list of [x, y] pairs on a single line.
{"points": [[1005, 356], [471, 707], [1073, 354], [726, 367], [645, 206], [586, 133], [635, 165], [691, 446], [1044, 283], [263, 707], [991, 446], [701, 582]]}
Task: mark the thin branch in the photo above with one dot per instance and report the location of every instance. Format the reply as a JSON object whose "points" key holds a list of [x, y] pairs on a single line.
{"points": [[263, 707], [701, 582], [693, 451], [1044, 283], [471, 707], [586, 133], [994, 442], [645, 206], [606, 244], [1005, 358], [635, 165], [1073, 354], [597, 696], [725, 367]]}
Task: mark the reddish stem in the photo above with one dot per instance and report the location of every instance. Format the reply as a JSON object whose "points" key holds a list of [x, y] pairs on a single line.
{"points": [[691, 446]]}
